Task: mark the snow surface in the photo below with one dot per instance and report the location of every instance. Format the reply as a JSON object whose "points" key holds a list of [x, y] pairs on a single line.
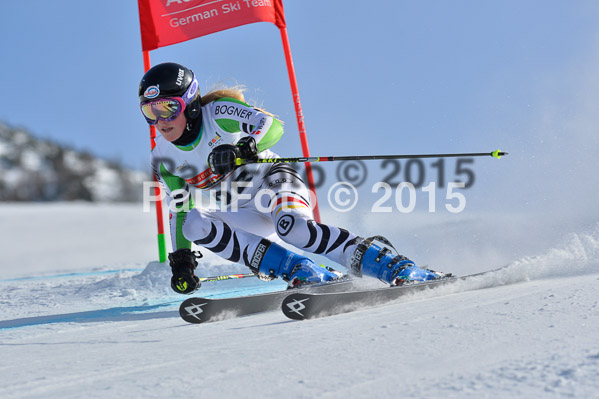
{"points": [[86, 312]]}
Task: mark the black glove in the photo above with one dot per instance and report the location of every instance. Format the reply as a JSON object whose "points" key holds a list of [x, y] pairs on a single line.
{"points": [[247, 148], [222, 158], [183, 262]]}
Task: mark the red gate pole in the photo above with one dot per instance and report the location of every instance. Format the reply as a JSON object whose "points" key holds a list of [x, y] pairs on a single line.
{"points": [[157, 189], [300, 118]]}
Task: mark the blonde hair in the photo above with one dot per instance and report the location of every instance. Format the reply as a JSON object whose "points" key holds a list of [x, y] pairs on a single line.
{"points": [[219, 92], [235, 92]]}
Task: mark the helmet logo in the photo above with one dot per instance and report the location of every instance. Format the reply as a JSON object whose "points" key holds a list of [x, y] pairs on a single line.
{"points": [[152, 92], [180, 75], [193, 89]]}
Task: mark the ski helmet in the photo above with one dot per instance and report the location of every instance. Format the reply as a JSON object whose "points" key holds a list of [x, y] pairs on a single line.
{"points": [[170, 79]]}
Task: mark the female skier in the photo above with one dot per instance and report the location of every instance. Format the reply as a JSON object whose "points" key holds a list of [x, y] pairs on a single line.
{"points": [[201, 139]]}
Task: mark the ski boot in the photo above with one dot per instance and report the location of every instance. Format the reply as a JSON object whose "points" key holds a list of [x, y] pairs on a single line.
{"points": [[272, 260], [371, 260]]}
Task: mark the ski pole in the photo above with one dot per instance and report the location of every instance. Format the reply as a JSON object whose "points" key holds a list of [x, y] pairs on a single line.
{"points": [[226, 277], [495, 154]]}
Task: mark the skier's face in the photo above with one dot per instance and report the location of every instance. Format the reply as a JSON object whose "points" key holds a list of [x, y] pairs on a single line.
{"points": [[172, 130]]}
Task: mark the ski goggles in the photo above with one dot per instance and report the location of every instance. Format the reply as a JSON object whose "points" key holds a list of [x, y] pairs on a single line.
{"points": [[167, 108]]}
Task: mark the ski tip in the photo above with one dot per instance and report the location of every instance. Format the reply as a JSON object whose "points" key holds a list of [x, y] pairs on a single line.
{"points": [[294, 306], [192, 310]]}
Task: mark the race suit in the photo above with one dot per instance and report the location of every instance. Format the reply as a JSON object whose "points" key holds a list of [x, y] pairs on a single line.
{"points": [[255, 201]]}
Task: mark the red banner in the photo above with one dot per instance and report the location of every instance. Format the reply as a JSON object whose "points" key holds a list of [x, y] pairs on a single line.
{"points": [[166, 22]]}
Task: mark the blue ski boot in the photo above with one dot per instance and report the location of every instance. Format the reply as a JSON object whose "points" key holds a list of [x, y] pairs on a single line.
{"points": [[272, 260], [371, 260]]}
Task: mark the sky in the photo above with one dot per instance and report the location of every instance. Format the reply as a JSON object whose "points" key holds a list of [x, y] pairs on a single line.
{"points": [[381, 77]]}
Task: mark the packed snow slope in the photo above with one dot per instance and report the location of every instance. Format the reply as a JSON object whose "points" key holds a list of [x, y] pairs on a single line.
{"points": [[87, 312]]}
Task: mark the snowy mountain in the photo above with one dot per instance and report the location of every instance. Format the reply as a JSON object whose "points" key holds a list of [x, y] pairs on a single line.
{"points": [[40, 170], [87, 312]]}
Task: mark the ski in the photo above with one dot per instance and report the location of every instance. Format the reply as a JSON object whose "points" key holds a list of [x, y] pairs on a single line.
{"points": [[304, 305], [200, 310]]}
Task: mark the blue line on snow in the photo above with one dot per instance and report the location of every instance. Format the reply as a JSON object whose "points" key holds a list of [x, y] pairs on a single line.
{"points": [[76, 274], [129, 313]]}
